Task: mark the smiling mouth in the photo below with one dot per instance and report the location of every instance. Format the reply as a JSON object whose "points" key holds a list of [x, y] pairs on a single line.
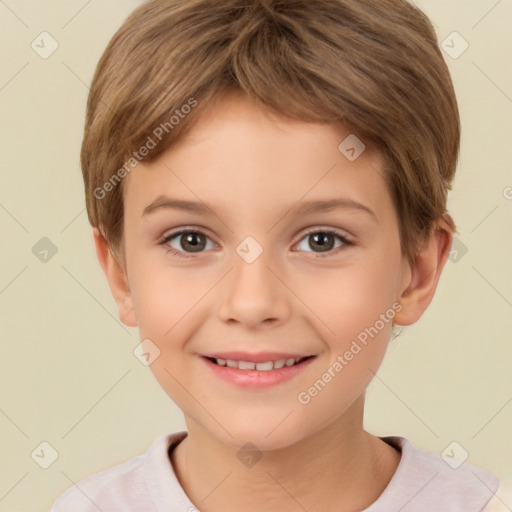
{"points": [[262, 367]]}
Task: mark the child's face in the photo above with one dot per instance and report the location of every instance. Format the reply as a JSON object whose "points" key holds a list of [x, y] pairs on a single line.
{"points": [[293, 298]]}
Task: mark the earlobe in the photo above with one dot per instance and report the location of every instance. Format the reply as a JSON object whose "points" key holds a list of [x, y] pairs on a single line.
{"points": [[424, 274], [117, 279]]}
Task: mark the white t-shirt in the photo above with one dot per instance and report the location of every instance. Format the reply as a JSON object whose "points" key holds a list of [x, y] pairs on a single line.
{"points": [[423, 482]]}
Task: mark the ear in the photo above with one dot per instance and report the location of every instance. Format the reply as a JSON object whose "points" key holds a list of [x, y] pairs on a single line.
{"points": [[117, 279], [422, 277]]}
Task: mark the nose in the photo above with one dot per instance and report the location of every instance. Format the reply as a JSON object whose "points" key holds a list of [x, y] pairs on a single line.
{"points": [[254, 294]]}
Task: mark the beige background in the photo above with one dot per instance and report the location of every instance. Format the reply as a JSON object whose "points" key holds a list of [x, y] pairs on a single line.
{"points": [[68, 374]]}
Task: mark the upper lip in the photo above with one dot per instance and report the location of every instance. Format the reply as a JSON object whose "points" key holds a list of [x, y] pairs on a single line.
{"points": [[259, 357]]}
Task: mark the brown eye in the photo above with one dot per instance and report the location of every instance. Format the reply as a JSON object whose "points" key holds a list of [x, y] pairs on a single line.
{"points": [[192, 241], [323, 241], [186, 242]]}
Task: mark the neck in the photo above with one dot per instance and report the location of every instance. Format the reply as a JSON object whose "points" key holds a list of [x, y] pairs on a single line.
{"points": [[340, 468]]}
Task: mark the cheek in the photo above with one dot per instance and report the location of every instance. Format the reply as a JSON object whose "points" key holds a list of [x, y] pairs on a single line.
{"points": [[162, 300], [358, 310], [166, 305], [163, 295], [349, 300]]}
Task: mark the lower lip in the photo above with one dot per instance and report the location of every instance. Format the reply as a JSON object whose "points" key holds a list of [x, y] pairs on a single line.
{"points": [[256, 379]]}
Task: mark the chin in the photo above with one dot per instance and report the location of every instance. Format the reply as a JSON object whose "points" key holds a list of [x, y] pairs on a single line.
{"points": [[264, 436]]}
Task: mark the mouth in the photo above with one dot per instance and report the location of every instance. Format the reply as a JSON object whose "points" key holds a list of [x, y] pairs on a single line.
{"points": [[259, 366], [257, 371]]}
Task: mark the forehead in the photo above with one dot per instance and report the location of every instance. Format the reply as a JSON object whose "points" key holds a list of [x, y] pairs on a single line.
{"points": [[235, 116], [241, 154]]}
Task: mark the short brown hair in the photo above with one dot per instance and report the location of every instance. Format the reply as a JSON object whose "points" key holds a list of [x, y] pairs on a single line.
{"points": [[373, 66]]}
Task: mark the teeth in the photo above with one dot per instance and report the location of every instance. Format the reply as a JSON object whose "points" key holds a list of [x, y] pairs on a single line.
{"points": [[263, 367]]}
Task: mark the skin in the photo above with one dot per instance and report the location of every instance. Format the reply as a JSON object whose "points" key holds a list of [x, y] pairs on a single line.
{"points": [[252, 167]]}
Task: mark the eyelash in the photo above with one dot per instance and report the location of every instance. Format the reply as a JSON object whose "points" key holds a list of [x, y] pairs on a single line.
{"points": [[182, 254]]}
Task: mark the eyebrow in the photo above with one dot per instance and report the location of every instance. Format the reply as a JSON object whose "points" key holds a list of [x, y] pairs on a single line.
{"points": [[307, 207]]}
